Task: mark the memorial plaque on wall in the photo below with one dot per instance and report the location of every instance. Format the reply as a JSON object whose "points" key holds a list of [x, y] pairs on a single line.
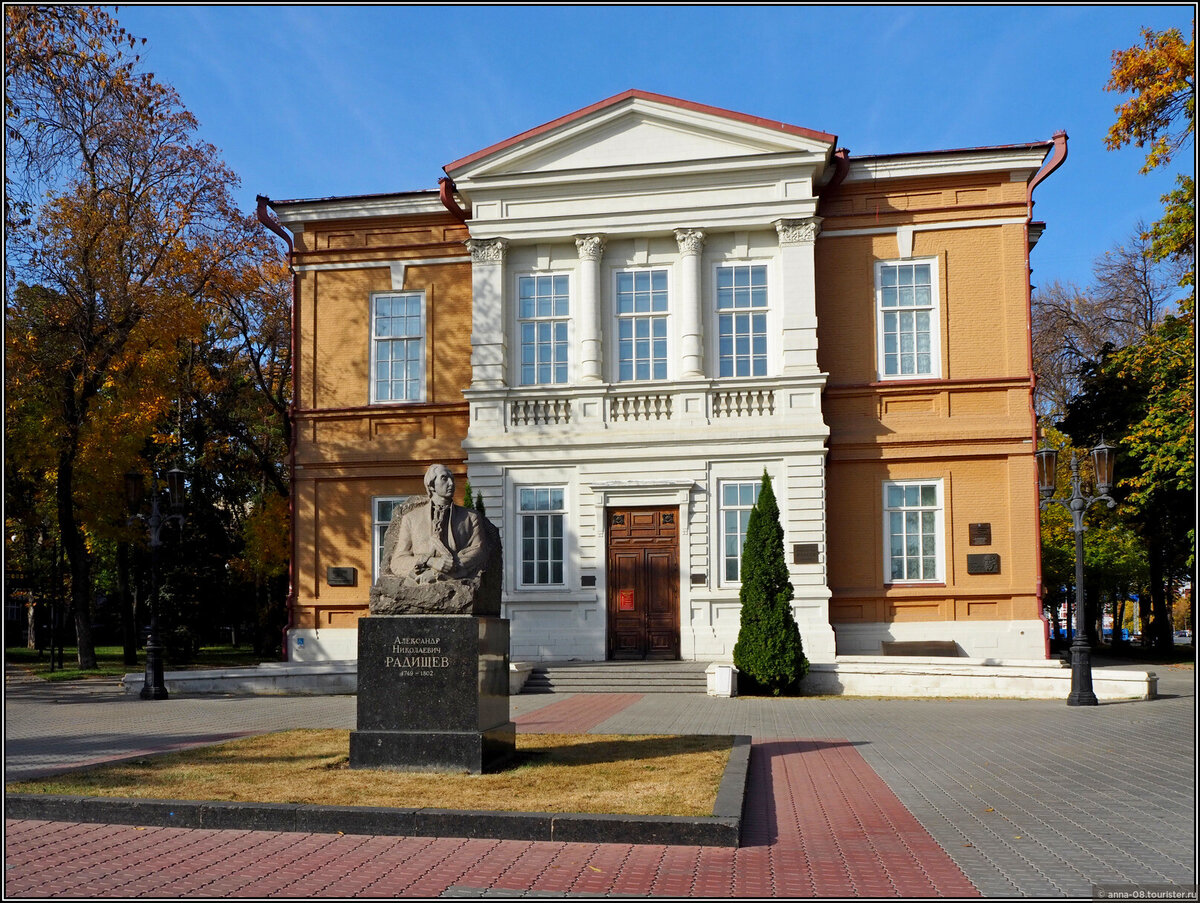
{"points": [[341, 576], [983, 564], [981, 534], [806, 553]]}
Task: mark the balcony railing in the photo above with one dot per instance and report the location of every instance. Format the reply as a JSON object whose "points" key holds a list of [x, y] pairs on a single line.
{"points": [[761, 402]]}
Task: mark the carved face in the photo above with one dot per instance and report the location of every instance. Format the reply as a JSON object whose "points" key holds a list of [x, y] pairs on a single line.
{"points": [[441, 484]]}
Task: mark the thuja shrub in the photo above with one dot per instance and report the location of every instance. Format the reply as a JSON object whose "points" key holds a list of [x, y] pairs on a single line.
{"points": [[769, 653]]}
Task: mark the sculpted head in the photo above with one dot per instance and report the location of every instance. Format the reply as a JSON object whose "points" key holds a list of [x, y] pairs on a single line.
{"points": [[439, 483]]}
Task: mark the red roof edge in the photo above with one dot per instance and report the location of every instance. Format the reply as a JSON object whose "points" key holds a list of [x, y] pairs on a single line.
{"points": [[632, 94]]}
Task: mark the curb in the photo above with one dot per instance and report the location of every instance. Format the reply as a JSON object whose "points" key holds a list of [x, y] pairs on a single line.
{"points": [[721, 829]]}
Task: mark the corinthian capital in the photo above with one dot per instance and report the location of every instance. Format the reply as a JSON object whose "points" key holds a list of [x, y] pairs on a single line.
{"points": [[798, 231], [691, 241], [590, 247], [486, 250]]}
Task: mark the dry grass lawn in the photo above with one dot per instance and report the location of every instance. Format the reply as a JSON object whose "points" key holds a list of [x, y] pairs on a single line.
{"points": [[595, 773]]}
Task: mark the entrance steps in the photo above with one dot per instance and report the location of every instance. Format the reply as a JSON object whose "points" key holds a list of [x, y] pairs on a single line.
{"points": [[617, 677]]}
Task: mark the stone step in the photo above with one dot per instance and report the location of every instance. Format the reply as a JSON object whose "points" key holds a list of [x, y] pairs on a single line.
{"points": [[618, 677]]}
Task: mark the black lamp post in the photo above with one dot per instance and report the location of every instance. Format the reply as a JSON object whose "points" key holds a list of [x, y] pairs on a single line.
{"points": [[153, 687], [1047, 461]]}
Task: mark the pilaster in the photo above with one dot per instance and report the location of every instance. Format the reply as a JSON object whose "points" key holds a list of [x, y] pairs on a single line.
{"points": [[797, 258], [489, 363]]}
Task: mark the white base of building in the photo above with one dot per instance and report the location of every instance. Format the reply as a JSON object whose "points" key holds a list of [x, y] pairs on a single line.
{"points": [[848, 676], [331, 644], [932, 676], [991, 640]]}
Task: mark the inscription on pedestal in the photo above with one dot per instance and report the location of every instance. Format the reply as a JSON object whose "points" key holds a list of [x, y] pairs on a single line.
{"points": [[432, 693]]}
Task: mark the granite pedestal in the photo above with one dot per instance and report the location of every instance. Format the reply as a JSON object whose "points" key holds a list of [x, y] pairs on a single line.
{"points": [[432, 693]]}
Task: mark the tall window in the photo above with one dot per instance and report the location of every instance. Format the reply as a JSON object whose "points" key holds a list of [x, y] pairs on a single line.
{"points": [[737, 500], [642, 324], [912, 524], [382, 509], [742, 320], [908, 320], [544, 306], [540, 512], [398, 347]]}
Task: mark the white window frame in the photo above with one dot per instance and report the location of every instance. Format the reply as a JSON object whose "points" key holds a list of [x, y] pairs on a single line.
{"points": [[933, 308], [554, 319], [765, 311], [722, 558], [619, 318], [521, 513], [379, 527], [377, 340], [938, 512]]}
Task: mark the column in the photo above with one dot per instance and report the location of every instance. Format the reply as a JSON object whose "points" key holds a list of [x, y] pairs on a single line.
{"points": [[691, 247], [488, 359], [797, 246], [587, 318]]}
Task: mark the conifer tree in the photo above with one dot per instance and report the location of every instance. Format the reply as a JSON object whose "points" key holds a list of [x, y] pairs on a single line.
{"points": [[468, 501], [768, 649], [479, 504]]}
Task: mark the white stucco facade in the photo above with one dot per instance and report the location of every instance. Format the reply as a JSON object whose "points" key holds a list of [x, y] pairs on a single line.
{"points": [[698, 198]]}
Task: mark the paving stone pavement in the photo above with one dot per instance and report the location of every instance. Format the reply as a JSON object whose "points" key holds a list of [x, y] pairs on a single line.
{"points": [[847, 796]]}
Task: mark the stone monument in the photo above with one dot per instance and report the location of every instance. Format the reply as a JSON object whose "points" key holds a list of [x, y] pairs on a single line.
{"points": [[433, 654]]}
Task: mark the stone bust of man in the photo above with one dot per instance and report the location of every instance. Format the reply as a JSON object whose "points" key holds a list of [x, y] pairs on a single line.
{"points": [[438, 557]]}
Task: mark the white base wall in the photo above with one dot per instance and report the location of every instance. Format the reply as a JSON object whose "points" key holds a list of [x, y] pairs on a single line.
{"points": [[554, 631], [330, 644], [975, 639]]}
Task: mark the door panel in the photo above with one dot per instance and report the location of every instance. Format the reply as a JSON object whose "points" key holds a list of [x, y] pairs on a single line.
{"points": [[643, 583]]}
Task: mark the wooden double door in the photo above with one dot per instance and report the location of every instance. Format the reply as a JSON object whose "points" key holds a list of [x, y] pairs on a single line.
{"points": [[643, 583]]}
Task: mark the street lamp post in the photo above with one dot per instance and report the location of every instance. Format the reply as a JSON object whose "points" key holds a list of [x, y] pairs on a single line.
{"points": [[153, 686], [1047, 463]]}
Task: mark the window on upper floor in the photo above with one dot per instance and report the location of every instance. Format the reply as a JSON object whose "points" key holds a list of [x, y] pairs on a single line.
{"points": [[907, 327], [382, 509], [913, 532], [742, 320], [541, 511], [641, 324], [542, 315], [737, 501], [397, 347]]}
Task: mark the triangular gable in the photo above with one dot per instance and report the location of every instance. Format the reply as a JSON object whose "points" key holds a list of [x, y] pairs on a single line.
{"points": [[639, 128]]}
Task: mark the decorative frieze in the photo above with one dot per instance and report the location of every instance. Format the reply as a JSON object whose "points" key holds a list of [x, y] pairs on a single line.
{"points": [[798, 231]]}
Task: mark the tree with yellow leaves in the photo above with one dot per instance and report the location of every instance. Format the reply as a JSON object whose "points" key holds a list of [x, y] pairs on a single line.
{"points": [[135, 233]]}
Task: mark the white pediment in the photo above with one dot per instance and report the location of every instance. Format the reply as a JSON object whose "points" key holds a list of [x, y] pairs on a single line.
{"points": [[635, 132]]}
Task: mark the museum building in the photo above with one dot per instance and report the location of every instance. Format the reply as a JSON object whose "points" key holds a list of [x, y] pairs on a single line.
{"points": [[615, 323]]}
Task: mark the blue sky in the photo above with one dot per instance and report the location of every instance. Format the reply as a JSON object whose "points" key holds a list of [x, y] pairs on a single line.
{"points": [[319, 101]]}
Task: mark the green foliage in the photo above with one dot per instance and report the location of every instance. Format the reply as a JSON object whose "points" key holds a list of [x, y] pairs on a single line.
{"points": [[479, 504], [468, 501], [769, 651]]}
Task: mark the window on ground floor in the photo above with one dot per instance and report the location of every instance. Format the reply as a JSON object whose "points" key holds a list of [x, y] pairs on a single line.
{"points": [[737, 500], [382, 508], [540, 514], [912, 529]]}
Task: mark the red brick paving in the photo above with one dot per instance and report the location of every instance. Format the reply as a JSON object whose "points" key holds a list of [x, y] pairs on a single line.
{"points": [[575, 714], [817, 821]]}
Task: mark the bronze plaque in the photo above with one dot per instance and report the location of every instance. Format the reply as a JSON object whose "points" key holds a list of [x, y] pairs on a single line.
{"points": [[342, 576], [806, 553], [983, 564], [981, 534]]}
